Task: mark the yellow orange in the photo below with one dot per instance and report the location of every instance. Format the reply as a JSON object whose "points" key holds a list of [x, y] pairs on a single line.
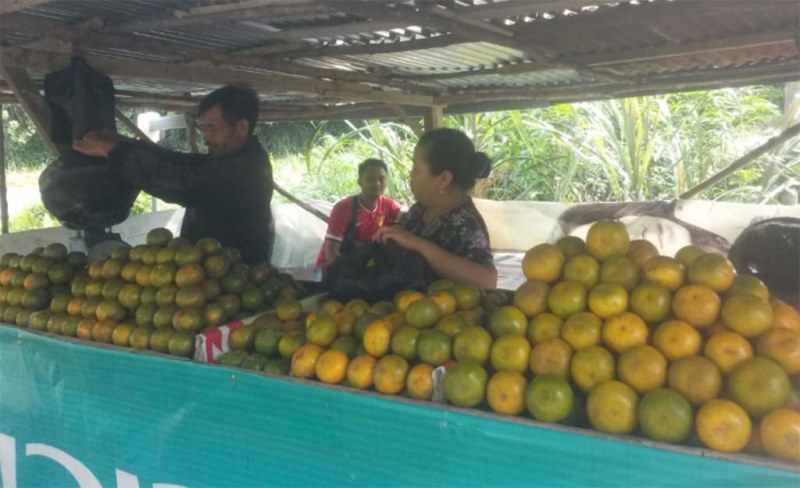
{"points": [[698, 305], [389, 375], [582, 268], [713, 271], [784, 316], [726, 349], [359, 371], [445, 301], [723, 425], [607, 299], [544, 326], [543, 263], [619, 270], [505, 392], [419, 382], [571, 245], [623, 331], [404, 299], [666, 271], [641, 251], [607, 238], [331, 366], [611, 407], [511, 353], [696, 378], [782, 346], [591, 366], [748, 315], [687, 254], [304, 360], [676, 339], [531, 298], [581, 330], [566, 298], [377, 338], [642, 368], [780, 434], [551, 356]]}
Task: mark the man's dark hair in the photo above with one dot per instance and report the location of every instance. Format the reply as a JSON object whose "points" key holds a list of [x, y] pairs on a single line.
{"points": [[236, 103], [369, 163]]}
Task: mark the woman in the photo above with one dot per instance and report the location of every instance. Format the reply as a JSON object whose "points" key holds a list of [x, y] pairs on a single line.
{"points": [[444, 226], [354, 220]]}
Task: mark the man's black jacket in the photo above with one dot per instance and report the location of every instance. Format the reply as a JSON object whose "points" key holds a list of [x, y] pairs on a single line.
{"points": [[225, 198]]}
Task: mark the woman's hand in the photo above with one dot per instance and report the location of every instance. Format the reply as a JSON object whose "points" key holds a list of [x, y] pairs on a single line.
{"points": [[402, 237]]}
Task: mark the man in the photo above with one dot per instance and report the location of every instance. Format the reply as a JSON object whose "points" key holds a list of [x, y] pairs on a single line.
{"points": [[227, 192], [354, 220]]}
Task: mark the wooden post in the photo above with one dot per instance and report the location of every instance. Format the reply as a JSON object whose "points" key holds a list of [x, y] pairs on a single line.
{"points": [[3, 188], [191, 132], [743, 161], [434, 118], [30, 99]]}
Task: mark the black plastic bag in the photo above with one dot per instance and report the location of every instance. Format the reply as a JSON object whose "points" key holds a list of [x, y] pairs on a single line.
{"points": [[80, 99], [83, 193], [376, 272], [770, 250]]}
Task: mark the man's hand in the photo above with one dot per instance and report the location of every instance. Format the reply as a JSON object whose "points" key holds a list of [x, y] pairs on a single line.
{"points": [[97, 143], [400, 236]]}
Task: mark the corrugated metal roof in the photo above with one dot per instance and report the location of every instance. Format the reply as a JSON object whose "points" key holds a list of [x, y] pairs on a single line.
{"points": [[478, 45]]}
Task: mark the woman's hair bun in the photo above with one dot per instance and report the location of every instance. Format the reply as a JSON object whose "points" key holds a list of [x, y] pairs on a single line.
{"points": [[481, 165]]}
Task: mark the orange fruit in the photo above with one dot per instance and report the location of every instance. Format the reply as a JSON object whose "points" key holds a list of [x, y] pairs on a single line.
{"points": [[665, 415], [543, 263], [759, 385], [607, 299], [434, 347], [619, 270], [723, 426], [571, 246], [404, 299], [419, 383], [345, 321], [544, 326], [551, 356], [713, 271], [583, 269], [749, 285], [623, 331], [696, 378], [642, 368], [567, 298], [304, 360], [780, 434], [748, 315], [440, 285], [445, 301], [651, 301], [698, 305], [783, 347], [611, 407], [404, 342], [665, 271], [452, 324], [377, 338], [676, 339], [549, 398], [287, 310], [331, 367], [322, 332], [727, 349], [395, 320], [507, 320], [511, 353], [467, 295], [531, 298], [357, 307], [505, 392], [607, 238], [641, 251], [687, 254], [591, 366], [359, 371], [330, 307], [423, 313], [472, 343], [389, 375], [581, 330], [465, 383], [784, 316], [473, 317]]}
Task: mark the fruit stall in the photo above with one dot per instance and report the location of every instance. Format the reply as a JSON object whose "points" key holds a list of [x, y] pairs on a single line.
{"points": [[617, 359]]}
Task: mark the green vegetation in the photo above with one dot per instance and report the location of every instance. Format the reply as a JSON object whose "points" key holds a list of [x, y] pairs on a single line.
{"points": [[644, 148]]}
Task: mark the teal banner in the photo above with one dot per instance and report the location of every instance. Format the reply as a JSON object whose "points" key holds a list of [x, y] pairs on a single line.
{"points": [[81, 415]]}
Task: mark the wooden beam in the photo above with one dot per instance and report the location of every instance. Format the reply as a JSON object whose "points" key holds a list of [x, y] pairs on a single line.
{"points": [[434, 118], [272, 11], [740, 163], [10, 6], [274, 82], [3, 187], [128, 123], [30, 99]]}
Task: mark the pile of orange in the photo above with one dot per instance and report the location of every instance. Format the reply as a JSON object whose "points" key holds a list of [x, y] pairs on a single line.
{"points": [[606, 333], [155, 296]]}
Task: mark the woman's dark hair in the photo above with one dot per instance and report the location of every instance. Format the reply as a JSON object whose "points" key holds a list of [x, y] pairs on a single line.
{"points": [[451, 150], [369, 163], [235, 102]]}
